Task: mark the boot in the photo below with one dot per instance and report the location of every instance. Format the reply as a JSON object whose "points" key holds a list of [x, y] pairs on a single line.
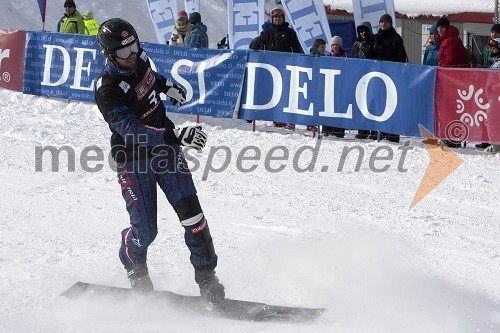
{"points": [[140, 280], [211, 290]]}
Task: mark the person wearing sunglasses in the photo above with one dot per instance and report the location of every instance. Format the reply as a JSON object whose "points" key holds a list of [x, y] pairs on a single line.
{"points": [[147, 151]]}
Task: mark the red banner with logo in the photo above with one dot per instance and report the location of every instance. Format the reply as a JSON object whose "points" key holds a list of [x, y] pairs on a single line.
{"points": [[12, 44], [467, 105]]}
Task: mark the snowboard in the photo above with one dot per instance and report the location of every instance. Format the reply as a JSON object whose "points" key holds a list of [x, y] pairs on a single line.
{"points": [[231, 308]]}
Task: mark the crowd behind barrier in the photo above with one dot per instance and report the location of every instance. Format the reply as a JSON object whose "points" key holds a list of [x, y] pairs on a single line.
{"points": [[283, 87]]}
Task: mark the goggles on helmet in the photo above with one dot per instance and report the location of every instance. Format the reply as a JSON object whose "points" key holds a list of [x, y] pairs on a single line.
{"points": [[125, 52], [276, 12], [494, 43]]}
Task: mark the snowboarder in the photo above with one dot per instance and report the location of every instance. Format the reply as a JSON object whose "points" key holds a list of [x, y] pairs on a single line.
{"points": [[146, 147]]}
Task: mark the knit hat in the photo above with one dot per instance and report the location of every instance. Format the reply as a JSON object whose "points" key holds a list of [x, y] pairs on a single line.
{"points": [[443, 22], [386, 18], [194, 18], [182, 13], [336, 40], [69, 3], [88, 15], [496, 28], [433, 29]]}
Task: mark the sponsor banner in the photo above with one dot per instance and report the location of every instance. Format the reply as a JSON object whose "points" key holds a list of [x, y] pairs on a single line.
{"points": [[371, 10], [61, 65], [341, 92], [163, 14], [12, 45], [244, 20], [192, 6], [308, 19], [67, 66], [467, 105], [213, 79]]}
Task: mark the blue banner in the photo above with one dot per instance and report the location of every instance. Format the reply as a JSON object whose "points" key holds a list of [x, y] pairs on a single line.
{"points": [[61, 65], [67, 66], [213, 79], [341, 92]]}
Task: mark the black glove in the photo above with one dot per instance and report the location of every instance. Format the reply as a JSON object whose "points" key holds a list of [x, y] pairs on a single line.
{"points": [[191, 136]]}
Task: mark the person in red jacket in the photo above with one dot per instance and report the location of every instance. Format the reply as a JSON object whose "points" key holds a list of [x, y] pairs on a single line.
{"points": [[451, 51], [451, 54]]}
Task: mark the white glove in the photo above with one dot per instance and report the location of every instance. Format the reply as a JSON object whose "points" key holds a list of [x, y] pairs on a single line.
{"points": [[176, 94], [191, 136]]}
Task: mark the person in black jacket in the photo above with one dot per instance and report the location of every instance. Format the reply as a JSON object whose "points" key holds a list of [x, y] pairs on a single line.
{"points": [[146, 147], [280, 37], [389, 46], [363, 49]]}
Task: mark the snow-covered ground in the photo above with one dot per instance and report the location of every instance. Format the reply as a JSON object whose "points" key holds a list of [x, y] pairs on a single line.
{"points": [[344, 240]]}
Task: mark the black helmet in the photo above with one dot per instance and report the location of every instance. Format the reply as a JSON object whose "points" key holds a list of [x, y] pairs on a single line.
{"points": [[116, 33]]}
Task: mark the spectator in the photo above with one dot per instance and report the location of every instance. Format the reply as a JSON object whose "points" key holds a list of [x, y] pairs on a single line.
{"points": [[363, 49], [495, 33], [280, 37], [319, 48], [494, 63], [389, 46], [451, 54], [196, 36], [336, 51], [363, 46], [90, 23], [258, 42], [180, 30], [451, 50], [432, 50], [72, 21], [336, 45]]}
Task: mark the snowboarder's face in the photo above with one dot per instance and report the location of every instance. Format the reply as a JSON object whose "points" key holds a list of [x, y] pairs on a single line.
{"points": [[129, 63], [441, 30]]}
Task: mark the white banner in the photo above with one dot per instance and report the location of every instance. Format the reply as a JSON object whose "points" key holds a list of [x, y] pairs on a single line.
{"points": [[308, 19], [371, 10], [163, 14], [244, 21], [192, 6]]}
